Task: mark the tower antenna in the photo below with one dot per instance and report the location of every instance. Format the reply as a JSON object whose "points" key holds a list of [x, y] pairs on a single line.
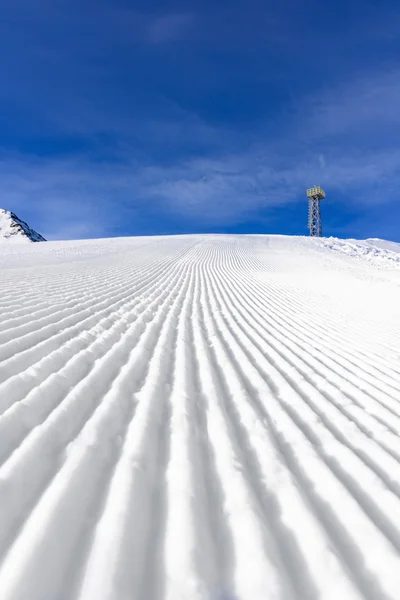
{"points": [[315, 195]]}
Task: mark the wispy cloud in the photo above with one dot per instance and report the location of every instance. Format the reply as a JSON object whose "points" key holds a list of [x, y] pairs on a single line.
{"points": [[62, 199], [169, 28], [367, 103]]}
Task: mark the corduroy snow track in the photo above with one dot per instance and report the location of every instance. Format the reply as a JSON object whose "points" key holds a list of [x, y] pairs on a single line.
{"points": [[200, 418]]}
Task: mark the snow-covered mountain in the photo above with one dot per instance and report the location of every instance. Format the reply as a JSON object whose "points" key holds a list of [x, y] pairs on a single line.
{"points": [[12, 228], [200, 418]]}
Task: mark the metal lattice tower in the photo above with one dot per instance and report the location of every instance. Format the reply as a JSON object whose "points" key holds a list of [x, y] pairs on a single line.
{"points": [[315, 195]]}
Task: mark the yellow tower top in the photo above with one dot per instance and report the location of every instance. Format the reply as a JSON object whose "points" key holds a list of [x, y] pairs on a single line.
{"points": [[316, 192]]}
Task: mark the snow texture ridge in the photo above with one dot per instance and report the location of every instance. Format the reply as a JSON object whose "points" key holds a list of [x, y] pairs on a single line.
{"points": [[371, 249], [199, 418], [12, 228]]}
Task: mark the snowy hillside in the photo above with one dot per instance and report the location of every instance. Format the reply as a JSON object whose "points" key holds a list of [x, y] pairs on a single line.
{"points": [[199, 417], [12, 228], [376, 250]]}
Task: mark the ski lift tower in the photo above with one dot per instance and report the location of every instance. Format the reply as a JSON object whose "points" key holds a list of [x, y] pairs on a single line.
{"points": [[315, 195]]}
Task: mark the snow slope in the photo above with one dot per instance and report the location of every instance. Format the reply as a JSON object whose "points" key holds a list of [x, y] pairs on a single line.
{"points": [[371, 249], [199, 417], [13, 229]]}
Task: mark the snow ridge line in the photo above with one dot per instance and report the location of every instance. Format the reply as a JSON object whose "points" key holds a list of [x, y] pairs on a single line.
{"points": [[88, 307], [116, 315], [59, 486], [292, 403]]}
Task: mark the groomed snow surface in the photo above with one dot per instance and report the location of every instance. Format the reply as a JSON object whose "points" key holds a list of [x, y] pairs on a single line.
{"points": [[200, 417]]}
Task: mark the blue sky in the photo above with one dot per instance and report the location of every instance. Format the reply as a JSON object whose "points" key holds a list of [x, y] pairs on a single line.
{"points": [[149, 117]]}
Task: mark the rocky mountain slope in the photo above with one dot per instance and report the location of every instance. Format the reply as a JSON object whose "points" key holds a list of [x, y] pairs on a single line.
{"points": [[12, 228]]}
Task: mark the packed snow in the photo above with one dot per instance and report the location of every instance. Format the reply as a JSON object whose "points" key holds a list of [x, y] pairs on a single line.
{"points": [[15, 230], [200, 418], [371, 249]]}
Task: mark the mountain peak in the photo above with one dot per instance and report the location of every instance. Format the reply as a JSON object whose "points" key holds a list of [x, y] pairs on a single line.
{"points": [[12, 228]]}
